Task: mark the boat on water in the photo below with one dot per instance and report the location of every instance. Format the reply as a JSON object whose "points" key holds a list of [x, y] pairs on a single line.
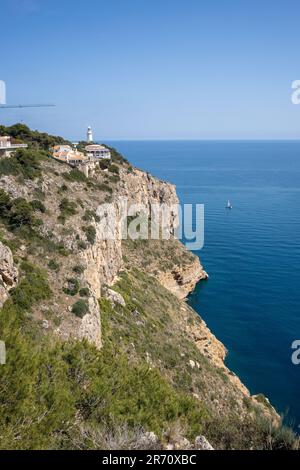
{"points": [[229, 205]]}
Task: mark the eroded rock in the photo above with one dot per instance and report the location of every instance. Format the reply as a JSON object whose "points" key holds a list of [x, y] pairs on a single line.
{"points": [[8, 273]]}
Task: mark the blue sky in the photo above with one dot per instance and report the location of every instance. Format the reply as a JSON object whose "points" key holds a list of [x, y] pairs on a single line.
{"points": [[153, 69]]}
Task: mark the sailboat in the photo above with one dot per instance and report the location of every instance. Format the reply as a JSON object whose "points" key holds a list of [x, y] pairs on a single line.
{"points": [[229, 206]]}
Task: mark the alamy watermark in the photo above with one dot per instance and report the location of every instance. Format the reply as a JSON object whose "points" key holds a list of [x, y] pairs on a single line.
{"points": [[2, 353], [122, 220], [296, 354], [2, 92]]}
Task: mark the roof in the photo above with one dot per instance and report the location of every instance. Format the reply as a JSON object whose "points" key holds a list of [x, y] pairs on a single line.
{"points": [[95, 147], [69, 155], [60, 147]]}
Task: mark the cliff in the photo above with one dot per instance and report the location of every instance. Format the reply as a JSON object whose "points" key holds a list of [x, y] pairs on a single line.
{"points": [[123, 299], [8, 273]]}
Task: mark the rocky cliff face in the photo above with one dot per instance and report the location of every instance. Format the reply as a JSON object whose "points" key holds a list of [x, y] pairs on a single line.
{"points": [[104, 258], [181, 280], [101, 260], [8, 273]]}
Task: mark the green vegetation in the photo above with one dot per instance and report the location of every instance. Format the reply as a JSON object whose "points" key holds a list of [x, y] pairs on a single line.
{"points": [[151, 323], [84, 292], [90, 215], [81, 245], [67, 209], [53, 265], [104, 163], [25, 163], [16, 213], [32, 288], [57, 381], [80, 308], [72, 287], [114, 168], [64, 187], [104, 187], [35, 139], [21, 213], [116, 157], [79, 269], [90, 233], [75, 176], [37, 205]]}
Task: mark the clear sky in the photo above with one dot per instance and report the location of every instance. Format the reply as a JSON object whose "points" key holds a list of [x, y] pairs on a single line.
{"points": [[153, 68]]}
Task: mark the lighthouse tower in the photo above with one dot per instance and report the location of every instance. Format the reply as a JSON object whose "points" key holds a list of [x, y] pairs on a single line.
{"points": [[89, 135]]}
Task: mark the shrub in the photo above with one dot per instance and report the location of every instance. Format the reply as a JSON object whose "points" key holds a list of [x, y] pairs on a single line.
{"points": [[114, 178], [38, 206], [67, 209], [78, 269], [75, 176], [25, 163], [90, 215], [72, 287], [90, 233], [84, 292], [32, 288], [80, 308], [81, 245], [53, 265], [21, 213], [114, 169], [117, 157], [104, 163], [104, 187], [5, 203], [35, 139]]}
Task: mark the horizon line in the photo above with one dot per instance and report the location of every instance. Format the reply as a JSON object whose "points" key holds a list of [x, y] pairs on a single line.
{"points": [[117, 139]]}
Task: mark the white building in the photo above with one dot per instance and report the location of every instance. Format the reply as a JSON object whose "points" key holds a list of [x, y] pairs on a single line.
{"points": [[89, 135], [8, 145], [96, 151], [65, 153]]}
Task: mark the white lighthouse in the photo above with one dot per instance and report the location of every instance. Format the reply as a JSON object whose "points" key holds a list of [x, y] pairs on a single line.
{"points": [[89, 135]]}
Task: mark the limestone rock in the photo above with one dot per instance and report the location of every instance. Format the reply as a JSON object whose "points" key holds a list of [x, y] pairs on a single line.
{"points": [[90, 327], [182, 444], [182, 280], [149, 440], [192, 363], [201, 443], [113, 296], [8, 273]]}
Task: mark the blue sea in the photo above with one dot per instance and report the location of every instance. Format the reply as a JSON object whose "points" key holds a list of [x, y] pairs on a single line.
{"points": [[252, 253]]}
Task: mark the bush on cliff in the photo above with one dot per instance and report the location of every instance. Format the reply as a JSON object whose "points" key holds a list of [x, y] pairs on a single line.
{"points": [[80, 308], [16, 212], [24, 163], [35, 139], [90, 233], [32, 288]]}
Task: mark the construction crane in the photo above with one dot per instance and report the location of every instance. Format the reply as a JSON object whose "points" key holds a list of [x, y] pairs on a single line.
{"points": [[13, 106]]}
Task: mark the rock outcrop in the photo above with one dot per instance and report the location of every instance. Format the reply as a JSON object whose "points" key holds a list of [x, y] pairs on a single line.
{"points": [[8, 273], [201, 443], [113, 296], [181, 281]]}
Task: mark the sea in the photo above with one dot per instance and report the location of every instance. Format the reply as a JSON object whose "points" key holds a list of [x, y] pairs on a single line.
{"points": [[251, 301]]}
